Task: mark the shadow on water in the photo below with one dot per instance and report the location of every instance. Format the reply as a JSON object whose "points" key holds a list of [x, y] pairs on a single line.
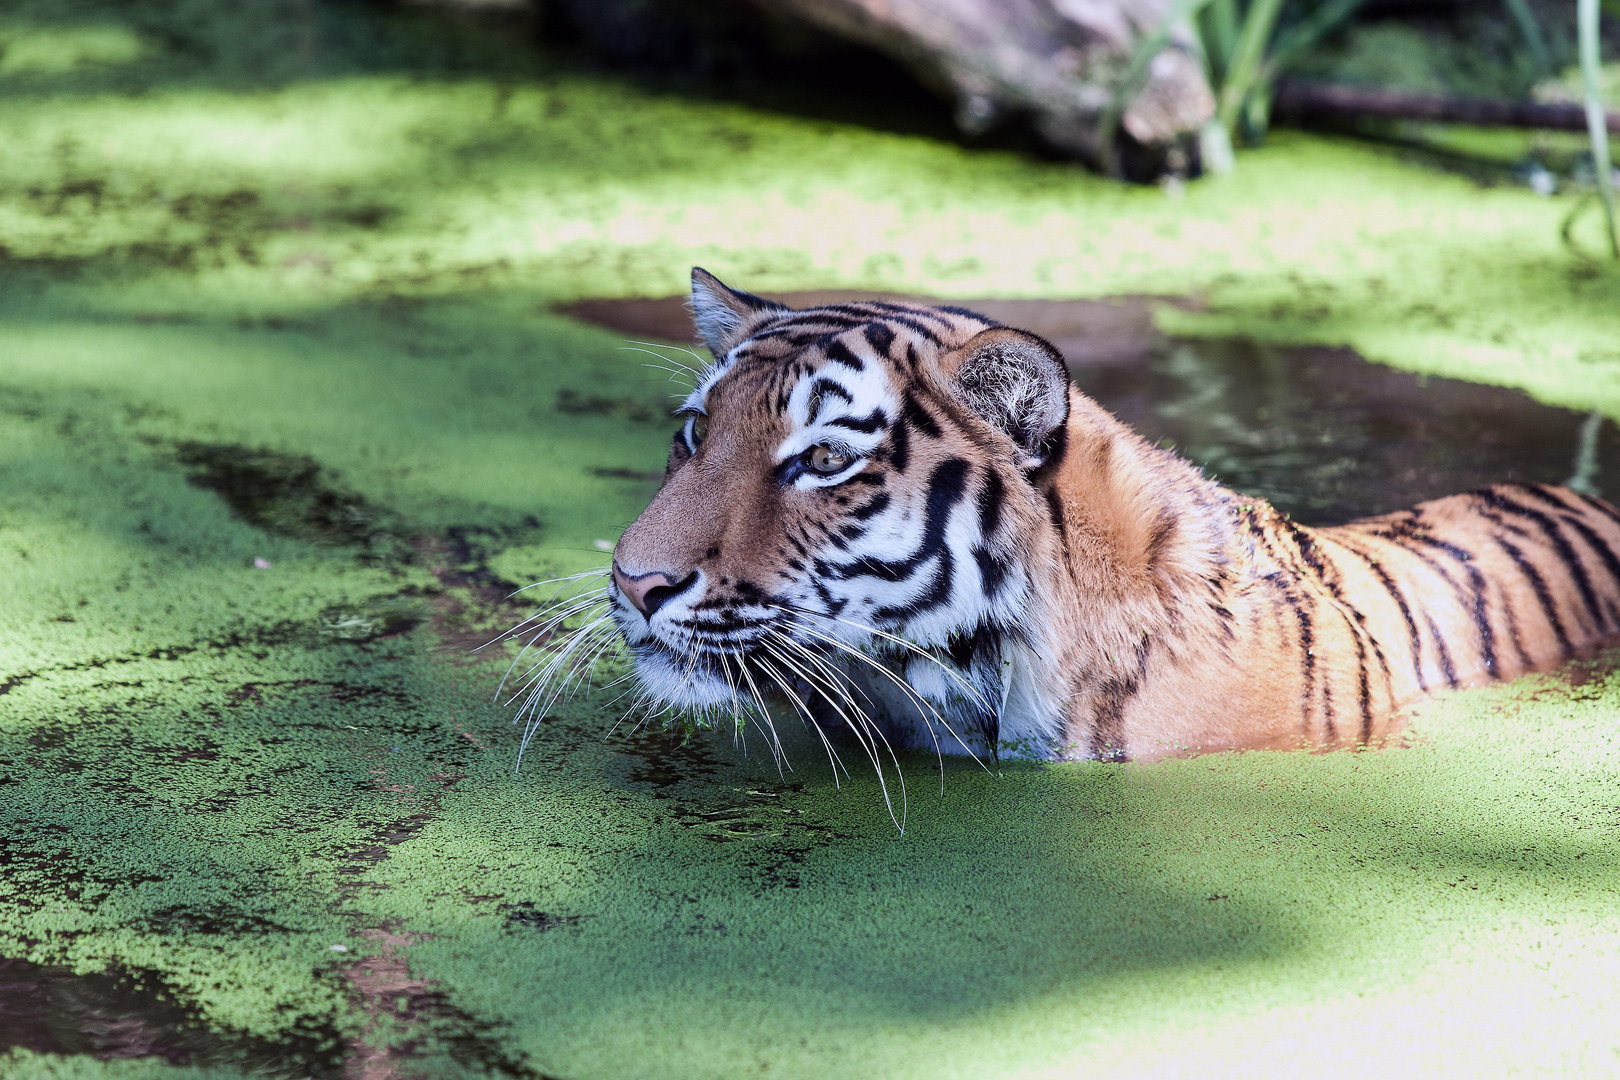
{"points": [[288, 494], [128, 1014], [1319, 432]]}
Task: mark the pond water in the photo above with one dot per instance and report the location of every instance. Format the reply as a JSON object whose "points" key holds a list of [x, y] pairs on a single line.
{"points": [[1320, 432], [131, 1014]]}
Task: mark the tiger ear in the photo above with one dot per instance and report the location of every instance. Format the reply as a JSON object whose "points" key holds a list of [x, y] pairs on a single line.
{"points": [[724, 315], [1016, 382]]}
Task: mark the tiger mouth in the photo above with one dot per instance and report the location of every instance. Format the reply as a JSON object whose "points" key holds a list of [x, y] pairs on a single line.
{"points": [[713, 657], [705, 672]]}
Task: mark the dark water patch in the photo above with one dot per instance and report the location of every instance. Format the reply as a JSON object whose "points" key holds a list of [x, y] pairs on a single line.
{"points": [[638, 475], [469, 548], [574, 403], [410, 1024], [1329, 437], [382, 617], [213, 920], [11, 682], [368, 856], [1319, 432], [255, 642], [125, 1013], [475, 604], [665, 759], [1587, 677], [287, 494], [524, 916]]}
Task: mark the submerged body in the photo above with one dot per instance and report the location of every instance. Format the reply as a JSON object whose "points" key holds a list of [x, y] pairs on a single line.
{"points": [[904, 521]]}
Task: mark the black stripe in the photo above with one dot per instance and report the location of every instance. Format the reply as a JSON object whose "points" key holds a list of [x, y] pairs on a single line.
{"points": [[822, 389], [806, 327], [908, 320], [1302, 618], [1604, 553], [1476, 580], [1600, 505], [1406, 612], [945, 488], [965, 312], [1447, 668], [992, 571], [1307, 644], [900, 445], [866, 425], [839, 353], [833, 604], [877, 505], [1307, 639], [851, 315], [1566, 552], [1600, 548], [1538, 585], [1108, 722], [937, 592], [991, 496], [1054, 510], [1320, 564], [918, 417], [1512, 620], [880, 337]]}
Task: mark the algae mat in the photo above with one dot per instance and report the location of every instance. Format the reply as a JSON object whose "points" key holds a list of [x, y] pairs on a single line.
{"points": [[283, 413]]}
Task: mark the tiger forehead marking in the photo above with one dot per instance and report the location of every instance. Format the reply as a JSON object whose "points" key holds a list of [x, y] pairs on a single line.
{"points": [[904, 524]]}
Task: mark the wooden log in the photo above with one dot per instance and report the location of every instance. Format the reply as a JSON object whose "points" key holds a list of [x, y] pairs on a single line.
{"points": [[1058, 61], [1307, 102]]}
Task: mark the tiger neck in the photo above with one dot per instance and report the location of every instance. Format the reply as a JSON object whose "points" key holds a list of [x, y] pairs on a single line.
{"points": [[1145, 549]]}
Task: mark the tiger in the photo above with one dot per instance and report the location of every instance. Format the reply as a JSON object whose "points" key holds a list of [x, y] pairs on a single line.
{"points": [[905, 522]]}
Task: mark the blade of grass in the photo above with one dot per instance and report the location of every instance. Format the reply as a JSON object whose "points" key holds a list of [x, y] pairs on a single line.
{"points": [[1533, 38], [1596, 122], [1301, 37], [1247, 68], [1220, 37]]}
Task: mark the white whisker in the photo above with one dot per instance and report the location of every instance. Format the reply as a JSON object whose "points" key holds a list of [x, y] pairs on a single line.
{"points": [[804, 711], [911, 647], [867, 733], [923, 704]]}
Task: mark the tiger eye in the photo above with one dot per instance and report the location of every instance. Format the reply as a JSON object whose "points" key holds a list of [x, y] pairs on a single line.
{"points": [[700, 428], [824, 459]]}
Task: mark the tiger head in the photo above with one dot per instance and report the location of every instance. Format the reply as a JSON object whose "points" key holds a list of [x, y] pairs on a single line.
{"points": [[850, 516]]}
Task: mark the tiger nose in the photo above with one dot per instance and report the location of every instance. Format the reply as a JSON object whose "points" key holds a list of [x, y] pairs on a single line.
{"points": [[648, 592]]}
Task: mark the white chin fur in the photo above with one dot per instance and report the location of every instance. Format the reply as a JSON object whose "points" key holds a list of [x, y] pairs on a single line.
{"points": [[671, 683]]}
